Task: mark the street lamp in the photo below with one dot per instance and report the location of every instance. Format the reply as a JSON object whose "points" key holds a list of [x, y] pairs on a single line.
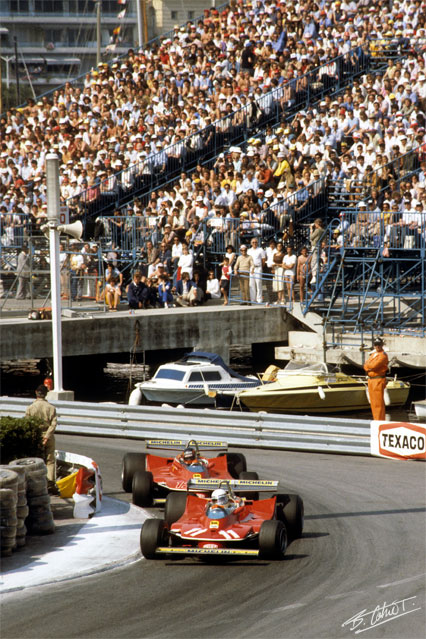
{"points": [[53, 208]]}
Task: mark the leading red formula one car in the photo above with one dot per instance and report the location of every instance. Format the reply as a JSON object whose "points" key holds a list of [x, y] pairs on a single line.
{"points": [[150, 478], [224, 524]]}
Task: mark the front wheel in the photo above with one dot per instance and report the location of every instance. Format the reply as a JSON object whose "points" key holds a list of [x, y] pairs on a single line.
{"points": [[132, 462], [153, 534], [175, 507], [272, 540], [142, 488]]}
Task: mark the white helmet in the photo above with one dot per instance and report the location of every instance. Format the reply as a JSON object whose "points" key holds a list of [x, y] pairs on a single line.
{"points": [[220, 497]]}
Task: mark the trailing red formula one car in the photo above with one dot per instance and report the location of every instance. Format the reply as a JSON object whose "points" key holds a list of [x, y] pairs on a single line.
{"points": [[150, 478], [224, 524]]}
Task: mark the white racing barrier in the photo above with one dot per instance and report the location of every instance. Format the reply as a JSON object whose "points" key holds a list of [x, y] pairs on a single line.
{"points": [[398, 440], [257, 430], [87, 494]]}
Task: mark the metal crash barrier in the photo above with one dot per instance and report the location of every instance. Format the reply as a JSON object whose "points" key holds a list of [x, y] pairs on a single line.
{"points": [[256, 430]]}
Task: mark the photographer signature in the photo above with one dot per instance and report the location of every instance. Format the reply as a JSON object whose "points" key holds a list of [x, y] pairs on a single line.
{"points": [[367, 619]]}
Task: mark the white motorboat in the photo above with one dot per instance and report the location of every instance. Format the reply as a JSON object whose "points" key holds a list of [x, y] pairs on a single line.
{"points": [[197, 379]]}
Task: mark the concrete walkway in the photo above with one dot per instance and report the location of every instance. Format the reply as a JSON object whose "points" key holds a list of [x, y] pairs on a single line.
{"points": [[77, 548]]}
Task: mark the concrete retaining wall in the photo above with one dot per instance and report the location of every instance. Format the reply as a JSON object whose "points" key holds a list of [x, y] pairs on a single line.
{"points": [[211, 329]]}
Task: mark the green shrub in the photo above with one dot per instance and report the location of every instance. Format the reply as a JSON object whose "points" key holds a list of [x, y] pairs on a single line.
{"points": [[20, 438]]}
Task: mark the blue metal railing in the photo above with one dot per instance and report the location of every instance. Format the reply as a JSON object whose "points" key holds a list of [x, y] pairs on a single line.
{"points": [[375, 272]]}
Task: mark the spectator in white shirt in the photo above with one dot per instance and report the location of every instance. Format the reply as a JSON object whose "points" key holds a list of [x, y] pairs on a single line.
{"points": [[259, 260]]}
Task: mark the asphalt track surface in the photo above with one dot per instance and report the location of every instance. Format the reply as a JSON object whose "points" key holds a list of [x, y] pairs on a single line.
{"points": [[363, 548]]}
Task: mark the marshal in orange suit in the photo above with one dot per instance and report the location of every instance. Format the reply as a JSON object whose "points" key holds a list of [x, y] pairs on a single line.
{"points": [[376, 368]]}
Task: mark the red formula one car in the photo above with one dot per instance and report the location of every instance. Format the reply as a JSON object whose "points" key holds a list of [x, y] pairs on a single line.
{"points": [[224, 524], [150, 478]]}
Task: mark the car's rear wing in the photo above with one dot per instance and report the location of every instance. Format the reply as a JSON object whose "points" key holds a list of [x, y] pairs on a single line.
{"points": [[238, 485], [180, 444]]}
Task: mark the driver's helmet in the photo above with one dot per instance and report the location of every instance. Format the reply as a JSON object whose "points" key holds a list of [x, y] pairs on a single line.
{"points": [[220, 497], [189, 455]]}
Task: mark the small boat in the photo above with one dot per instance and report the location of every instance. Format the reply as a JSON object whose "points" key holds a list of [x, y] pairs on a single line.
{"points": [[420, 408], [304, 389], [198, 379]]}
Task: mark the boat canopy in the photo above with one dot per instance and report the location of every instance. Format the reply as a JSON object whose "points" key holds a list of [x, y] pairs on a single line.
{"points": [[200, 357]]}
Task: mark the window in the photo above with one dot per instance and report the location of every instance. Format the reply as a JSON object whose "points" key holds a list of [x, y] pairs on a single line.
{"points": [[47, 6], [212, 376], [169, 373], [190, 15], [205, 376], [19, 6], [174, 15], [195, 377]]}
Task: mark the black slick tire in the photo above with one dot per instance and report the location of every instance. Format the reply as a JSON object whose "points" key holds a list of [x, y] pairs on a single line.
{"points": [[142, 488], [152, 536], [293, 514], [272, 540], [237, 464], [132, 462], [174, 508]]}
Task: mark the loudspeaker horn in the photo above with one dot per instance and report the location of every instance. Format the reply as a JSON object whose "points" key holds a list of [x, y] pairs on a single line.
{"points": [[75, 229], [45, 230]]}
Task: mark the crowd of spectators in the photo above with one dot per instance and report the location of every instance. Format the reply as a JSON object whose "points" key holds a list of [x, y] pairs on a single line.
{"points": [[138, 113]]}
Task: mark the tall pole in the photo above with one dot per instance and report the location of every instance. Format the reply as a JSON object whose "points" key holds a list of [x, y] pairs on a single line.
{"points": [[145, 22], [53, 205], [98, 32], [18, 90], [139, 14]]}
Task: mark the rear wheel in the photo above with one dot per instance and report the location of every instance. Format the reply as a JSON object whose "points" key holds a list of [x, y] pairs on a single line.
{"points": [[272, 540], [253, 477], [236, 464], [281, 500], [175, 507], [142, 488], [293, 512], [153, 534], [131, 463]]}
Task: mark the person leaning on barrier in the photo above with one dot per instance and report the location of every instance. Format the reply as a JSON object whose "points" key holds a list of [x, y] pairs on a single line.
{"points": [[376, 368], [47, 413]]}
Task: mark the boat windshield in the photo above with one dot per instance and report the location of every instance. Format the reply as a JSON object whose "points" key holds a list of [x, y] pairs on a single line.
{"points": [[169, 373], [302, 367]]}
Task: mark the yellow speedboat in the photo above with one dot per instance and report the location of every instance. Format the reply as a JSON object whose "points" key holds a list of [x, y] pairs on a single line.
{"points": [[302, 388]]}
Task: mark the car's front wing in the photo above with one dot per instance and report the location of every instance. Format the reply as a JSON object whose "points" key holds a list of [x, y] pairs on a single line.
{"points": [[191, 550]]}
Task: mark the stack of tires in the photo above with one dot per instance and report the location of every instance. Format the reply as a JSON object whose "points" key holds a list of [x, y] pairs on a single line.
{"points": [[21, 504], [8, 501], [39, 520]]}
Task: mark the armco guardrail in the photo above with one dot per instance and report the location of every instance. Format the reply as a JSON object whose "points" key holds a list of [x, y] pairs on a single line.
{"points": [[257, 430]]}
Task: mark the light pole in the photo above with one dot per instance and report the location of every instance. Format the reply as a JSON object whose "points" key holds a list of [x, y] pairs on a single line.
{"points": [[53, 205], [98, 32]]}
